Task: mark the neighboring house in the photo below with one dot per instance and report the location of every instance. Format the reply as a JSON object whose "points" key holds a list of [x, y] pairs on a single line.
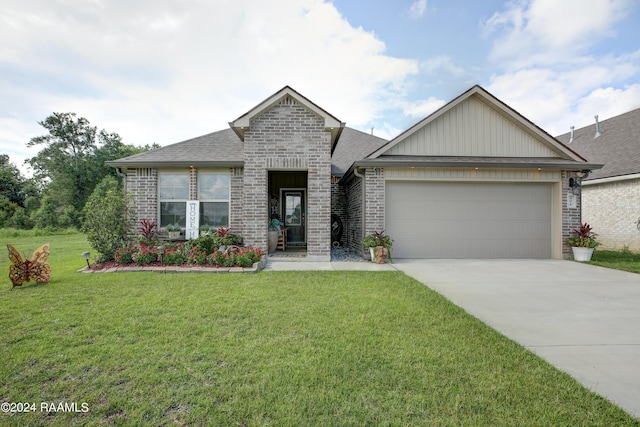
{"points": [[475, 179], [611, 195]]}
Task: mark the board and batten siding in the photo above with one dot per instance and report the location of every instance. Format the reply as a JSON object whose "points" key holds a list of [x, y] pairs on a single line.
{"points": [[472, 128]]}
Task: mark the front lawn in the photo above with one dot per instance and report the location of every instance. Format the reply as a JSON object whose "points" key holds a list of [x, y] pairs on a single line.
{"points": [[273, 348], [620, 260]]}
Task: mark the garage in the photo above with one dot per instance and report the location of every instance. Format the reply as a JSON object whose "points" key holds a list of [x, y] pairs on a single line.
{"points": [[431, 219]]}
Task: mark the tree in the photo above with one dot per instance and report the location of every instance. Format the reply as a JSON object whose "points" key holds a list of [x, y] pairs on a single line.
{"points": [[63, 164], [72, 162], [111, 147], [11, 182]]}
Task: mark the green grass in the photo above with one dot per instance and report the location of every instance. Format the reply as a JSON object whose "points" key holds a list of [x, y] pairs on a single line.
{"points": [[274, 348], [619, 260]]}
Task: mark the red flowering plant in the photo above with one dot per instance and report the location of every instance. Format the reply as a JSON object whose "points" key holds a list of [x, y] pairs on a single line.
{"points": [[175, 254], [235, 256], [145, 254], [220, 259], [124, 255], [196, 256]]}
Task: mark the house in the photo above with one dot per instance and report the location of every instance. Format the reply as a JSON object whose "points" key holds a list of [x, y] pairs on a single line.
{"points": [[611, 195], [475, 179]]}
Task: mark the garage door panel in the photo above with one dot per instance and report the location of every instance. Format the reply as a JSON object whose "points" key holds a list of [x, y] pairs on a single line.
{"points": [[469, 220]]}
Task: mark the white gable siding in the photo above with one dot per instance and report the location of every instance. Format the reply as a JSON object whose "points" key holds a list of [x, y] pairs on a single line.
{"points": [[472, 128]]}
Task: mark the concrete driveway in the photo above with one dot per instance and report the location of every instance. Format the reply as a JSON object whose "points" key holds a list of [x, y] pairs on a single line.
{"points": [[585, 320]]}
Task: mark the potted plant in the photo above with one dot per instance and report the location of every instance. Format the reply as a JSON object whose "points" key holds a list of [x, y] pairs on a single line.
{"points": [[173, 230], [583, 242], [275, 225], [379, 246], [205, 230]]}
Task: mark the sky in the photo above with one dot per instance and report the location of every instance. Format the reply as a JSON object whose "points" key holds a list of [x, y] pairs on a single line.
{"points": [[162, 71]]}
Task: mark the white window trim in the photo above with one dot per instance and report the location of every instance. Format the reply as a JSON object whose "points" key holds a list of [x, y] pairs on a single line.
{"points": [[227, 200], [170, 172]]}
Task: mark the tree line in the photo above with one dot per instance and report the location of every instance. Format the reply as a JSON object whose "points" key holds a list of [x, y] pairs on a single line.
{"points": [[70, 165]]}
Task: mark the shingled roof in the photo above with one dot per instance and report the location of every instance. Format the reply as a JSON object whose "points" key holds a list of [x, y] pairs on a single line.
{"points": [[618, 145], [224, 148], [353, 145]]}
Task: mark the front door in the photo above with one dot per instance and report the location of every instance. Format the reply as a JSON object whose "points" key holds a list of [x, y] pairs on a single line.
{"points": [[294, 212]]}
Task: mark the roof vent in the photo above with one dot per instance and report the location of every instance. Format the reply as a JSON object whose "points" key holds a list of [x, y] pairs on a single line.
{"points": [[571, 139], [597, 127]]}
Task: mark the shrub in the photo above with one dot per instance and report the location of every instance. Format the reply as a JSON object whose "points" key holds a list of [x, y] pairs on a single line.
{"points": [[206, 243], [108, 217]]}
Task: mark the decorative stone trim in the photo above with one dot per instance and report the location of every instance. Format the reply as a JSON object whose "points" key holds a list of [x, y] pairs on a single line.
{"points": [[257, 266]]}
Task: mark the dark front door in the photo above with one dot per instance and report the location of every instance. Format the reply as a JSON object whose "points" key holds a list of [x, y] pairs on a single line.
{"points": [[294, 212]]}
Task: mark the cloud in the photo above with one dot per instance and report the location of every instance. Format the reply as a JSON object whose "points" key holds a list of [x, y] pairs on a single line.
{"points": [[442, 64], [549, 31], [549, 69], [557, 98], [167, 70], [418, 8], [423, 107]]}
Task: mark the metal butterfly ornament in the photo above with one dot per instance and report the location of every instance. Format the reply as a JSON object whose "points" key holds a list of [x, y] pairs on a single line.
{"points": [[36, 267]]}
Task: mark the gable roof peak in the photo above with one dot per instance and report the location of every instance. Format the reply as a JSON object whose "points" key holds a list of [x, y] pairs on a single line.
{"points": [[511, 115], [331, 123]]}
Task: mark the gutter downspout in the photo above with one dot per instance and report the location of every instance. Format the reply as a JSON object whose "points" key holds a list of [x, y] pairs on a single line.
{"points": [[363, 201]]}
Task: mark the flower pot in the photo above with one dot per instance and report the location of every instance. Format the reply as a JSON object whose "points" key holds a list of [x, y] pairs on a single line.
{"points": [[273, 240], [381, 254], [372, 254], [174, 235], [582, 254]]}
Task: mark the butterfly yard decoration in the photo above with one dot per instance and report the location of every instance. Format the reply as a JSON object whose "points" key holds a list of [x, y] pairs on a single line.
{"points": [[36, 267]]}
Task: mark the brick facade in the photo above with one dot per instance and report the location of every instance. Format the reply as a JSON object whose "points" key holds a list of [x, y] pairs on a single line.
{"points": [[571, 217], [353, 225], [236, 210], [142, 184], [374, 189], [288, 136], [613, 209]]}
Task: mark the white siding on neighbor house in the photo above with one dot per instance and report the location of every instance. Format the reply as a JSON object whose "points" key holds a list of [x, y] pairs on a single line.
{"points": [[473, 128], [433, 219]]}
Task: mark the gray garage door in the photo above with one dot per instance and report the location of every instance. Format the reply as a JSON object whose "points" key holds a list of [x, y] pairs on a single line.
{"points": [[468, 220]]}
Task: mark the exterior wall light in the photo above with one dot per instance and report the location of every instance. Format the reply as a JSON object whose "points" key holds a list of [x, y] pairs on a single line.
{"points": [[576, 183]]}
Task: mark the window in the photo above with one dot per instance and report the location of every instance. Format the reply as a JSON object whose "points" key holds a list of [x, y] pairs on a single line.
{"points": [[213, 193], [173, 189]]}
